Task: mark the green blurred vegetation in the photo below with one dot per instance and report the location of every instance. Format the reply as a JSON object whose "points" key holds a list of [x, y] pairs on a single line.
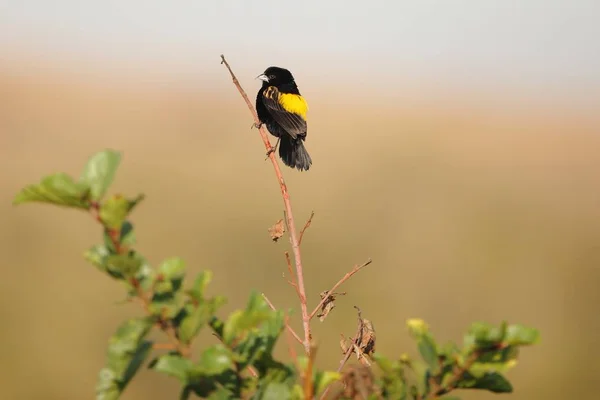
{"points": [[501, 208], [242, 364]]}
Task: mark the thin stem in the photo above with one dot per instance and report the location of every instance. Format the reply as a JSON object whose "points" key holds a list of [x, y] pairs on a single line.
{"points": [[288, 208], [338, 284], [287, 324], [306, 225]]}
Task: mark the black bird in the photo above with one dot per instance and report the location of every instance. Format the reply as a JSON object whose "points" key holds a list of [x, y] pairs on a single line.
{"points": [[281, 107]]}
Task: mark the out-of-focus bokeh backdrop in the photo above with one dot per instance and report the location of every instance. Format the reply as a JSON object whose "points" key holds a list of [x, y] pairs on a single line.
{"points": [[455, 143]]}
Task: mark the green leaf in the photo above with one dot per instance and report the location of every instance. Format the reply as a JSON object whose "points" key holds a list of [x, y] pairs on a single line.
{"points": [[492, 382], [127, 351], [174, 365], [59, 189], [137, 360], [127, 234], [172, 268], [241, 322], [427, 348], [421, 372], [100, 171], [134, 202], [167, 305], [276, 391], [196, 316], [97, 256], [107, 387], [499, 360], [419, 330], [215, 360], [118, 266], [123, 265], [169, 276], [114, 211], [519, 335], [200, 283], [483, 335]]}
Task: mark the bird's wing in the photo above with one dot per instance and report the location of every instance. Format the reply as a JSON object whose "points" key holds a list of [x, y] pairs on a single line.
{"points": [[288, 110]]}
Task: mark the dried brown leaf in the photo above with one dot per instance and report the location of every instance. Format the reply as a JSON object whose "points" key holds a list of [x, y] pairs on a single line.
{"points": [[367, 337], [277, 230], [328, 304]]}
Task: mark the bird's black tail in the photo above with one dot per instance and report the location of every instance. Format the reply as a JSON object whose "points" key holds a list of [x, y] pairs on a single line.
{"points": [[293, 153]]}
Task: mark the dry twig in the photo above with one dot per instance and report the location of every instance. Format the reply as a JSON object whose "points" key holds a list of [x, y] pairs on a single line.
{"points": [[344, 279], [306, 225]]}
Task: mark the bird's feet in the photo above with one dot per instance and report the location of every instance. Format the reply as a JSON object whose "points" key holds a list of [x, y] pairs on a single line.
{"points": [[257, 126], [272, 149]]}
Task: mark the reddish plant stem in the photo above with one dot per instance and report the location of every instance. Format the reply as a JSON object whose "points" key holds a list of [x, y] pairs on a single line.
{"points": [[288, 209], [306, 225]]}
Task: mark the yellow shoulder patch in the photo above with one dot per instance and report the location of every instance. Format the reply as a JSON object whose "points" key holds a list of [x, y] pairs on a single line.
{"points": [[293, 103]]}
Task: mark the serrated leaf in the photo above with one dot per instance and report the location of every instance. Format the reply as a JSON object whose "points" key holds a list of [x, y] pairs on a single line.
{"points": [[100, 171], [519, 335], [174, 365], [59, 189]]}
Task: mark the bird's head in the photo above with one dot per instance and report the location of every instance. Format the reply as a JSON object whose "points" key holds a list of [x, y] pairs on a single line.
{"points": [[274, 76]]}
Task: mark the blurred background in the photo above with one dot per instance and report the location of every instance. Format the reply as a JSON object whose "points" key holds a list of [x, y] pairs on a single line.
{"points": [[456, 143]]}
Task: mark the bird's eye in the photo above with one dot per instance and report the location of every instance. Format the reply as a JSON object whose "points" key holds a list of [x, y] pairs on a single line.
{"points": [[271, 76]]}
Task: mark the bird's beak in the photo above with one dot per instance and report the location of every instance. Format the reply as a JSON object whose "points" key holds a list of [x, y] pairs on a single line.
{"points": [[263, 78]]}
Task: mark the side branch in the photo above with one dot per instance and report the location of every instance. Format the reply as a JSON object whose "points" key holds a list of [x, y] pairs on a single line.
{"points": [[338, 284], [287, 324]]}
